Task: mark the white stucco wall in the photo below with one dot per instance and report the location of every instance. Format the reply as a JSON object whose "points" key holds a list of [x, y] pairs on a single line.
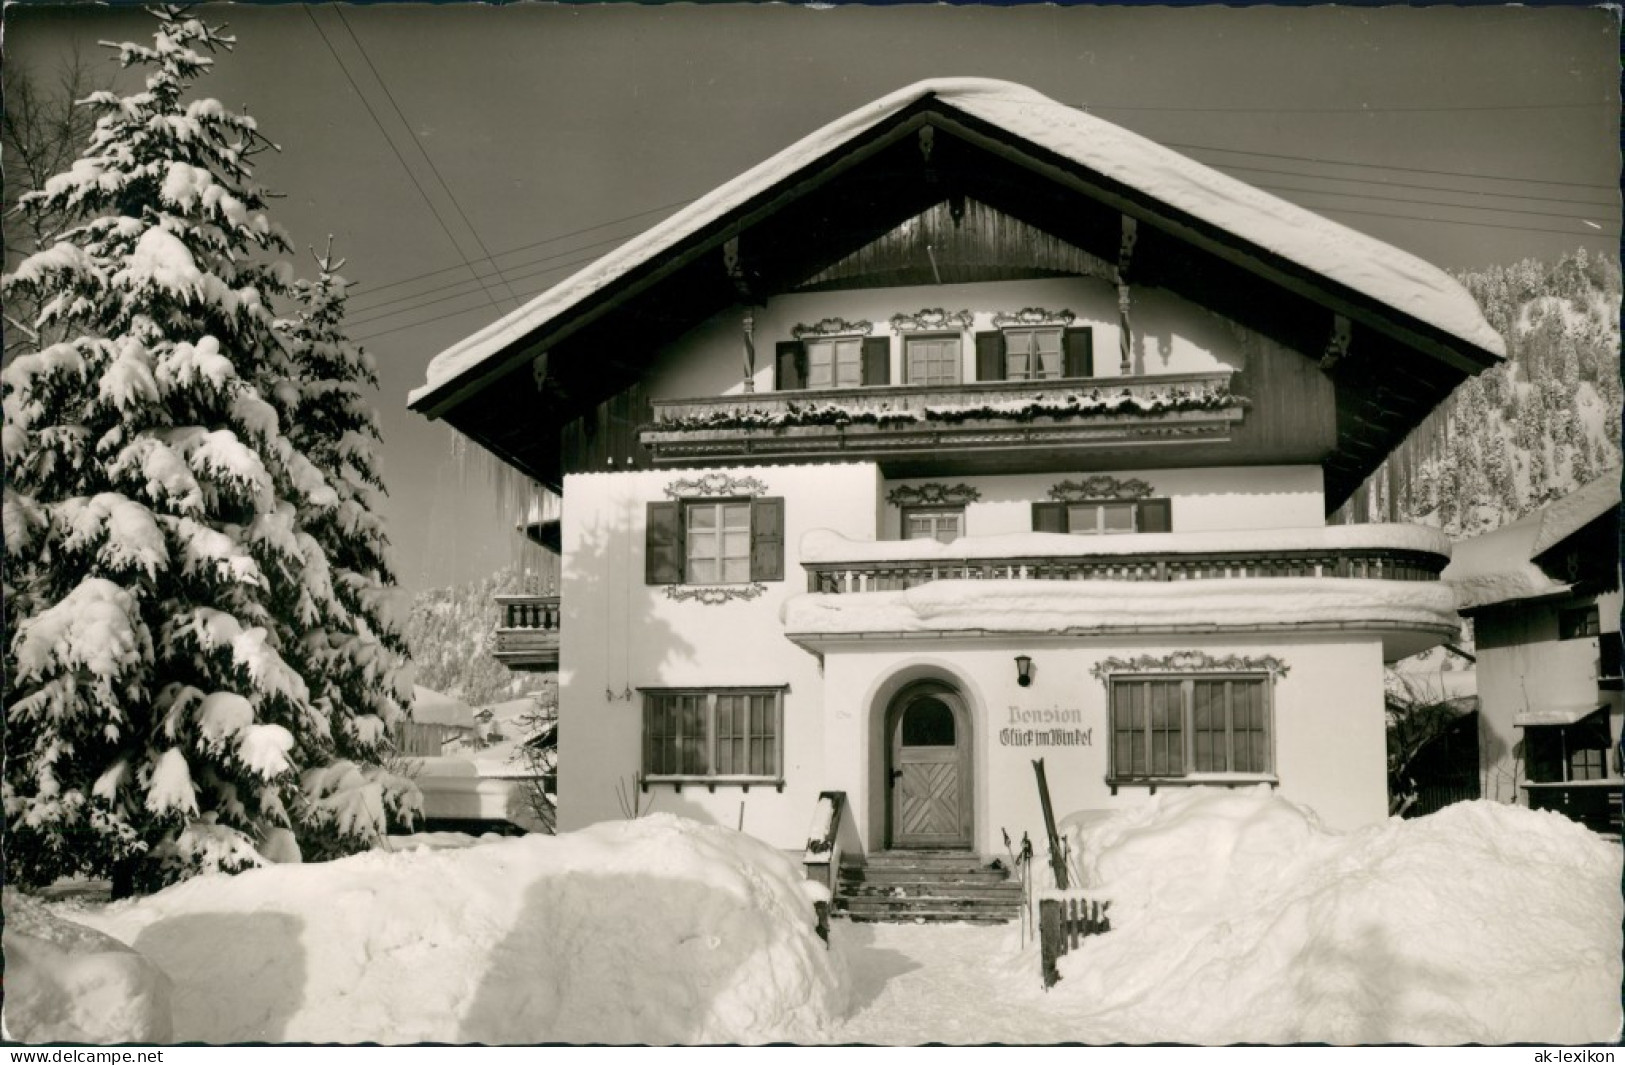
{"points": [[1329, 746], [1522, 666], [619, 634], [1170, 335], [1202, 500]]}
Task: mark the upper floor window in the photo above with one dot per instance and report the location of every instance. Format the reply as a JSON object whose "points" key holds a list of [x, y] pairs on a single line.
{"points": [[1577, 623], [1041, 353], [714, 541], [943, 524], [847, 361], [931, 360], [1103, 516]]}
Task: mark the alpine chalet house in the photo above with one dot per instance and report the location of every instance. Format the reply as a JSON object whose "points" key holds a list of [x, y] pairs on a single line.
{"points": [[1544, 596], [966, 431]]}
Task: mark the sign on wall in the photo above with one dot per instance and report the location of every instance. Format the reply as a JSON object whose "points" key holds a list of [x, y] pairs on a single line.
{"points": [[1019, 732]]}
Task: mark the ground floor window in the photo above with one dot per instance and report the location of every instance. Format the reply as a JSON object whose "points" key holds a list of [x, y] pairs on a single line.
{"points": [[1558, 754], [1175, 726], [732, 734]]}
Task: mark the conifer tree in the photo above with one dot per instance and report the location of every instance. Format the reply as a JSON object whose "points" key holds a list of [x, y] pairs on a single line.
{"points": [[164, 586]]}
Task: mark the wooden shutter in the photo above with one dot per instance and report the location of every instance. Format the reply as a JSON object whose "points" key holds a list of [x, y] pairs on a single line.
{"points": [[1156, 515], [790, 363], [990, 356], [663, 553], [767, 540], [877, 360], [1049, 517], [1079, 349]]}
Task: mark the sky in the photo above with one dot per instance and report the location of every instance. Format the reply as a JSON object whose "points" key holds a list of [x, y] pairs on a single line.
{"points": [[466, 158]]}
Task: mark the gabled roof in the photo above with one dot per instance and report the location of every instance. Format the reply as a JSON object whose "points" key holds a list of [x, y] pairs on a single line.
{"points": [[1221, 241], [1499, 566]]}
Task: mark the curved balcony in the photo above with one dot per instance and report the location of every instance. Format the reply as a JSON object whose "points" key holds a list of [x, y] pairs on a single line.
{"points": [[527, 634], [1377, 580], [975, 422]]}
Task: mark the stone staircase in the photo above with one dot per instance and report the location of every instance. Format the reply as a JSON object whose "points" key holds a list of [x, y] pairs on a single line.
{"points": [[926, 885]]}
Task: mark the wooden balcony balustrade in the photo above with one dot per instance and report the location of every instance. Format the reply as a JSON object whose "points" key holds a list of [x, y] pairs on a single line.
{"points": [[982, 416], [527, 635], [1361, 563]]}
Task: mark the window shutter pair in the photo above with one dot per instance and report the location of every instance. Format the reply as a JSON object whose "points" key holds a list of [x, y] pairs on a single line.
{"points": [[665, 552], [790, 362], [1151, 515], [1077, 359]]}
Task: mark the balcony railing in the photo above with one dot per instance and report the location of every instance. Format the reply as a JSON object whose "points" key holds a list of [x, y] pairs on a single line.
{"points": [[527, 635], [1330, 552], [985, 415]]}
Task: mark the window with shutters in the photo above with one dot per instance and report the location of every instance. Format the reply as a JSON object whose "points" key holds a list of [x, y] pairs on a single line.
{"points": [[1172, 727], [931, 360], [1032, 354], [943, 524], [721, 735], [835, 363], [714, 541], [1035, 353], [1104, 517]]}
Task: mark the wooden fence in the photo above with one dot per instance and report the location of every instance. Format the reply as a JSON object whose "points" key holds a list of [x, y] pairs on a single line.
{"points": [[1061, 923]]}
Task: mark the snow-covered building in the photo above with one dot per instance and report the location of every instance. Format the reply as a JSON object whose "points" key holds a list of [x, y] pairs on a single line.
{"points": [[1544, 596], [968, 430]]}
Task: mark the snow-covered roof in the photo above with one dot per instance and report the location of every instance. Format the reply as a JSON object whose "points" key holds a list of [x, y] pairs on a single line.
{"points": [[1499, 566], [825, 546], [1555, 715], [1341, 255], [430, 707]]}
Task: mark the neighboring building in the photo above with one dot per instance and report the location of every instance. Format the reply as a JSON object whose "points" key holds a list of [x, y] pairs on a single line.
{"points": [[1544, 596], [968, 430], [437, 719]]}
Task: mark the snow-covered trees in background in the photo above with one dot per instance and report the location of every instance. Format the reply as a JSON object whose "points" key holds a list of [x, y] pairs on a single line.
{"points": [[184, 634]]}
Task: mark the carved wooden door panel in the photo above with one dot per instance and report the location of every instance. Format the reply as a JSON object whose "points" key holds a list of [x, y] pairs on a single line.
{"points": [[927, 774]]}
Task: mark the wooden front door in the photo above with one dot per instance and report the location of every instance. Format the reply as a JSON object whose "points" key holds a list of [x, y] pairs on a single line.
{"points": [[930, 772]]}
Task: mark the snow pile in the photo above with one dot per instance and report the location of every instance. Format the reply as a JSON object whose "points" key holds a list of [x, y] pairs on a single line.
{"points": [[69, 984], [1236, 917], [656, 930]]}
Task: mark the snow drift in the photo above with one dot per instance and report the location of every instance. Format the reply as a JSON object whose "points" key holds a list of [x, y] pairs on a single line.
{"points": [[1237, 918], [66, 983], [657, 930]]}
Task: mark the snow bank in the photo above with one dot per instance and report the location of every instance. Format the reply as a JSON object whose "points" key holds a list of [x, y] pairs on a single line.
{"points": [[1343, 255], [824, 545], [66, 983], [656, 930], [1236, 917]]}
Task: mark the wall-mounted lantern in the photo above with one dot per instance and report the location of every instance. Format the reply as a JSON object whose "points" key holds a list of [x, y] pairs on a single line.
{"points": [[1024, 670]]}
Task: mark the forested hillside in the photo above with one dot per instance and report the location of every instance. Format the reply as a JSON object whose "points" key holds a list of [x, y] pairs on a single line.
{"points": [[1528, 431], [450, 633]]}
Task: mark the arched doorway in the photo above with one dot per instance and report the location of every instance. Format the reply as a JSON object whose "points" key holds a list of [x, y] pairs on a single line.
{"points": [[928, 768]]}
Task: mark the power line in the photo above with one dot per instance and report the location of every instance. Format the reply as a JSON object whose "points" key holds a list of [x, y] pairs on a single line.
{"points": [[452, 314], [338, 9], [1383, 166], [1415, 185], [1341, 110], [1430, 203], [372, 291], [397, 152]]}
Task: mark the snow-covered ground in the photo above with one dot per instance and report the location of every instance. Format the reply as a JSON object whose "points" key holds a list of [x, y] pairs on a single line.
{"points": [[1236, 918]]}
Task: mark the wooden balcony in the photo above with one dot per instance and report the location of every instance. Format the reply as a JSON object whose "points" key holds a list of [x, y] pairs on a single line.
{"points": [[986, 422], [1182, 562], [527, 635]]}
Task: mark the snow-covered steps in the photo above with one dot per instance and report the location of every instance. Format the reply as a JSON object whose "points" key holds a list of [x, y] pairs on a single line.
{"points": [[927, 886]]}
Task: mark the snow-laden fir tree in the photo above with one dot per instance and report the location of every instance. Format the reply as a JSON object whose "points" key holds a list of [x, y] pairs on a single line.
{"points": [[354, 657], [165, 584]]}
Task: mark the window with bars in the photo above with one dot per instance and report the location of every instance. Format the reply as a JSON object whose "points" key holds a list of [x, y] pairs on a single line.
{"points": [[719, 735], [1165, 727], [943, 524], [931, 360]]}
